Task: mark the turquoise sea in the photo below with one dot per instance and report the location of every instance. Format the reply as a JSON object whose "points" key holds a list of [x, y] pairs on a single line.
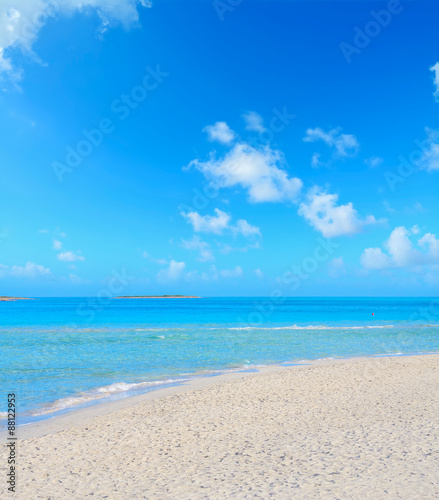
{"points": [[60, 354]]}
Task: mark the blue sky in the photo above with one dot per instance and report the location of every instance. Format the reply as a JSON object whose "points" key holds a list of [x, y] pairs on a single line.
{"points": [[242, 148]]}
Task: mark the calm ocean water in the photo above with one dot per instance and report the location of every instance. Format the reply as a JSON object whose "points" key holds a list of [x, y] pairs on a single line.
{"points": [[63, 353]]}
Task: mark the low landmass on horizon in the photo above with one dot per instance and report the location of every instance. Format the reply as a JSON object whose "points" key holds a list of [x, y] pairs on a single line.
{"points": [[159, 297], [6, 299]]}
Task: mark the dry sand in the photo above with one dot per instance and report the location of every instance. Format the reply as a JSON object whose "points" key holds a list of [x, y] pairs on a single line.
{"points": [[355, 429]]}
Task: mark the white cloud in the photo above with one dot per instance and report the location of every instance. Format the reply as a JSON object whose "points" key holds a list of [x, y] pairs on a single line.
{"points": [[21, 21], [343, 145], [315, 160], [30, 270], [402, 252], [259, 171], [219, 223], [220, 132], [173, 272], [57, 245], [430, 151], [246, 229], [374, 258], [197, 244], [69, 256], [435, 70], [254, 122], [208, 223], [373, 161], [323, 213], [232, 273]]}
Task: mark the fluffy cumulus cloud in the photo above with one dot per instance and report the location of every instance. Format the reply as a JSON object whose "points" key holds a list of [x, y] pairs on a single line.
{"points": [[202, 247], [401, 252], [323, 213], [219, 223], [435, 69], [69, 256], [430, 151], [220, 132], [254, 122], [343, 145], [260, 171], [173, 272], [29, 270], [21, 21]]}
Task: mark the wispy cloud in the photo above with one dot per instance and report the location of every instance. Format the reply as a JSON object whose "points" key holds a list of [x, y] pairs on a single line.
{"points": [[69, 256], [373, 161], [219, 223], [254, 122], [435, 69], [342, 145], [22, 20], [208, 223], [220, 132], [236, 272], [29, 270], [202, 247], [430, 151]]}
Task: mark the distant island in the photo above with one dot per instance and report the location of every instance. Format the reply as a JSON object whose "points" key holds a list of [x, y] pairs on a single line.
{"points": [[159, 297], [6, 299]]}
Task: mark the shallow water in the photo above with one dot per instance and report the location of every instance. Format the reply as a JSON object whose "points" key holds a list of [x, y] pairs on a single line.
{"points": [[63, 353]]}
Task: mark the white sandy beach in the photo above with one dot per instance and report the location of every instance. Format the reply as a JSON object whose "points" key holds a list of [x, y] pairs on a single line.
{"points": [[353, 429]]}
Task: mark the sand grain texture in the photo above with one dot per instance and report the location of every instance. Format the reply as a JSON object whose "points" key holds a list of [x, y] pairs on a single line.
{"points": [[359, 429]]}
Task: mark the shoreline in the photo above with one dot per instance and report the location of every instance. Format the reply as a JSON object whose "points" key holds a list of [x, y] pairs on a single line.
{"points": [[348, 429], [104, 406]]}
